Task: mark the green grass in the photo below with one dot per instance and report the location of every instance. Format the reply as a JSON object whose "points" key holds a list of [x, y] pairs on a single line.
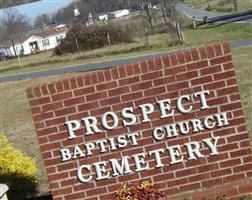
{"points": [[221, 6], [17, 125], [158, 42]]}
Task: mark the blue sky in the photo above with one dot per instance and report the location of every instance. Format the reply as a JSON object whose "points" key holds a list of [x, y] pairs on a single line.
{"points": [[44, 6]]}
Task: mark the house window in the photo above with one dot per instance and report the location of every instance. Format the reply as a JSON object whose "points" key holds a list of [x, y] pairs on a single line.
{"points": [[46, 42], [59, 38]]}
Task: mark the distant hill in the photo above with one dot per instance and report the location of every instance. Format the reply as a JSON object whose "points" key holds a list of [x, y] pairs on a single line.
{"points": [[11, 3]]}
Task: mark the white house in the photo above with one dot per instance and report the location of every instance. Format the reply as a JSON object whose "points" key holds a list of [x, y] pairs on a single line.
{"points": [[103, 17], [119, 13], [6, 50], [42, 41], [114, 14]]}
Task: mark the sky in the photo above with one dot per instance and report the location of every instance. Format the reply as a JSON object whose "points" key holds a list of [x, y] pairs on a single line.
{"points": [[32, 10]]}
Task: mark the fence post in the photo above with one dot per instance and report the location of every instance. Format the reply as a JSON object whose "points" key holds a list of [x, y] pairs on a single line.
{"points": [[109, 41], [77, 45]]}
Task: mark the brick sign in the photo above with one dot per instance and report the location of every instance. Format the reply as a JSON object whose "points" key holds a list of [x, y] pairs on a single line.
{"points": [[175, 120]]}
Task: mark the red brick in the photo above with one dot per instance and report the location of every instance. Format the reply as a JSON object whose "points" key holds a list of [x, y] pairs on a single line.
{"points": [[210, 51], [203, 53], [211, 183], [62, 96], [136, 95], [154, 91], [43, 116], [91, 105], [227, 91], [224, 75], [226, 48], [186, 172], [73, 83], [195, 54], [122, 71], [118, 91], [137, 68], [151, 65], [91, 78], [51, 88], [165, 80], [151, 75], [114, 73], [221, 172], [220, 60], [173, 59], [96, 96], [177, 86], [80, 81], [74, 101], [180, 58], [202, 80], [174, 70], [209, 167], [231, 162], [75, 196], [233, 178], [158, 62], [218, 50], [105, 102], [197, 65], [44, 89], [186, 76], [129, 80], [144, 66], [192, 186], [228, 66], [65, 111], [245, 188], [188, 56], [85, 90]]}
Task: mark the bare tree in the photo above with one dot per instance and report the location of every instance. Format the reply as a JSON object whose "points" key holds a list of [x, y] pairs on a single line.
{"points": [[42, 20], [13, 23], [149, 13], [172, 19]]}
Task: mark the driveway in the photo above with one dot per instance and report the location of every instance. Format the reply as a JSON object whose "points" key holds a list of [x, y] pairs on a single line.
{"points": [[101, 65], [199, 15]]}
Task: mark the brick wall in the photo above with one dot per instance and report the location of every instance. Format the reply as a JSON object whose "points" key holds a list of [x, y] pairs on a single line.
{"points": [[94, 93]]}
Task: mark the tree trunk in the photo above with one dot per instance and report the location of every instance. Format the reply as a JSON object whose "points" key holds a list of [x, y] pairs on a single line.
{"points": [[163, 11], [12, 42], [149, 17], [235, 5], [208, 5]]}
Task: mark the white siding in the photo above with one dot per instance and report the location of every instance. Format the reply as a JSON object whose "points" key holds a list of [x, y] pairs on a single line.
{"points": [[26, 45]]}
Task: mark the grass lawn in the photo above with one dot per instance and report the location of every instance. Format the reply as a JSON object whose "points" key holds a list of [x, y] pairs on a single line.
{"points": [[158, 42], [221, 6], [16, 122]]}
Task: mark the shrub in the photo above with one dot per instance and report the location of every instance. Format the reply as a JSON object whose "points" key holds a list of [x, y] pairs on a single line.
{"points": [[16, 170], [138, 191], [91, 38]]}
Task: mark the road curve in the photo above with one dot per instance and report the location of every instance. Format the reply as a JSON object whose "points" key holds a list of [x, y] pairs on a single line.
{"points": [[194, 13], [199, 15], [100, 65]]}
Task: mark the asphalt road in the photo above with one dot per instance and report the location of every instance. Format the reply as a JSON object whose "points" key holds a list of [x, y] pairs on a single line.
{"points": [[101, 65], [213, 17]]}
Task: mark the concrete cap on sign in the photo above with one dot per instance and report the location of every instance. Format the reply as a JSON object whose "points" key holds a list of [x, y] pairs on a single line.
{"points": [[3, 189]]}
